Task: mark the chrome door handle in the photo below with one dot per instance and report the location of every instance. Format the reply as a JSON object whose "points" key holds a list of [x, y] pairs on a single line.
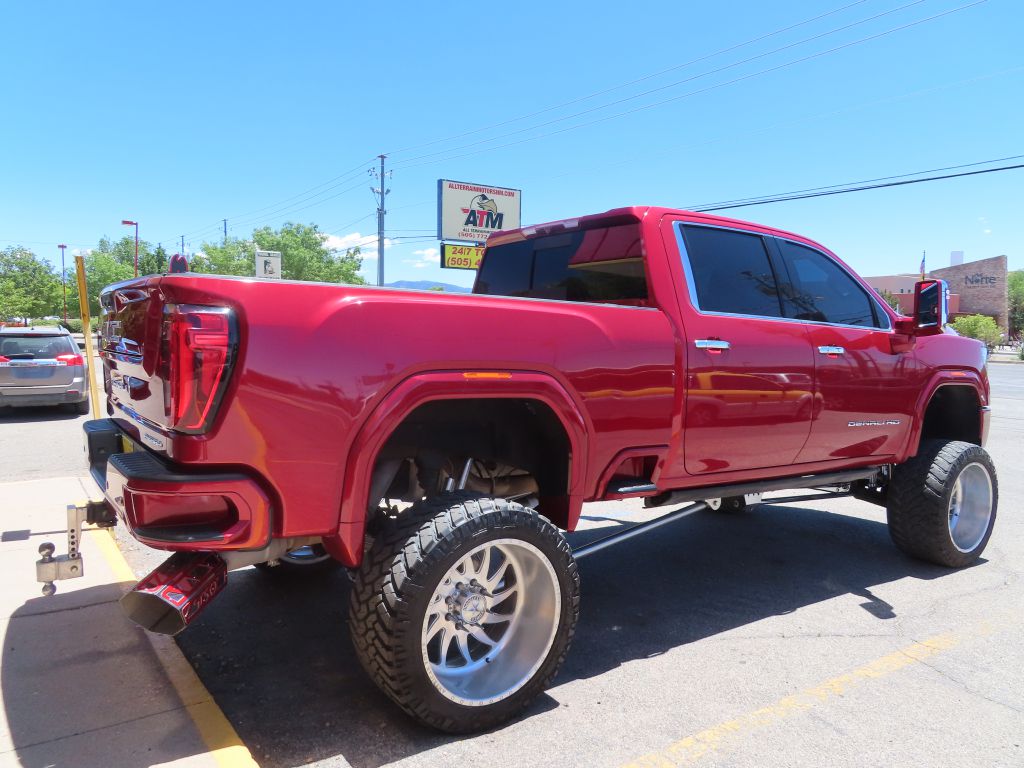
{"points": [[712, 344], [826, 350]]}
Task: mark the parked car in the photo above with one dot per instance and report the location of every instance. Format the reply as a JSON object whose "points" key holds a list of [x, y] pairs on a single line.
{"points": [[42, 366]]}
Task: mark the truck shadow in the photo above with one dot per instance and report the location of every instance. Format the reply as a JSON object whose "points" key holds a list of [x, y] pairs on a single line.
{"points": [[81, 686], [276, 655]]}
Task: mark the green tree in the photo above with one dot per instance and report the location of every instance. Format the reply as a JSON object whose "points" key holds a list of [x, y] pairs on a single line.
{"points": [[154, 263], [28, 285], [889, 299], [102, 268], [980, 327], [234, 257], [1015, 288], [305, 255], [123, 252], [13, 301]]}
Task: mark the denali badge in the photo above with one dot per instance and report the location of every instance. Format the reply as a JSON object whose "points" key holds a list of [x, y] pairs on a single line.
{"points": [[886, 423]]}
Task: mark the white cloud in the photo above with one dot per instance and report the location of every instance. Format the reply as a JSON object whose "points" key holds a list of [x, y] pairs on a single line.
{"points": [[366, 243], [427, 257]]}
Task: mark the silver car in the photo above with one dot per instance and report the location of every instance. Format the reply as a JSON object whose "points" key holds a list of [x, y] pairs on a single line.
{"points": [[42, 366]]}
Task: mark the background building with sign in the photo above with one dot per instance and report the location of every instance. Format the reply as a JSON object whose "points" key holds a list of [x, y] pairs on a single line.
{"points": [[976, 288]]}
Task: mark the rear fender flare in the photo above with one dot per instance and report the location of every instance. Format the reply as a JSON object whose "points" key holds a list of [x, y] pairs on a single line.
{"points": [[347, 543]]}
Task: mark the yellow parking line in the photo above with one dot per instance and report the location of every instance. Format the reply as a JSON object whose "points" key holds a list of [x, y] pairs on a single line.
{"points": [[692, 748], [226, 748]]}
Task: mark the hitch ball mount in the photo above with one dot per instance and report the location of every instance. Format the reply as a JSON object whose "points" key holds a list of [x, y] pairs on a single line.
{"points": [[52, 568]]}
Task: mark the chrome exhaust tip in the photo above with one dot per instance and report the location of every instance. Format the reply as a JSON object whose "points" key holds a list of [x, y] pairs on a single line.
{"points": [[176, 592]]}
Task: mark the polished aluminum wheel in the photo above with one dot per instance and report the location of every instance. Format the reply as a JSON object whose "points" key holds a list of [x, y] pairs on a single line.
{"points": [[970, 507], [491, 621], [308, 555]]}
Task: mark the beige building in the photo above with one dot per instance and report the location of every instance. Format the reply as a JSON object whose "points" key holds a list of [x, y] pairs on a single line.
{"points": [[976, 288]]}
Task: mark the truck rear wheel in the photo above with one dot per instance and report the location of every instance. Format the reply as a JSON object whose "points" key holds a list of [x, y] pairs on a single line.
{"points": [[308, 560], [942, 503], [463, 610]]}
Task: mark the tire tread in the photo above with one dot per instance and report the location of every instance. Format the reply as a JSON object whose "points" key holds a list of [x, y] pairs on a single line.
{"points": [[391, 574], [918, 501]]}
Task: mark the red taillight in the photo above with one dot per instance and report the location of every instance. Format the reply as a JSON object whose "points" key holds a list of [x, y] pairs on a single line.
{"points": [[4, 359], [200, 349], [71, 359]]}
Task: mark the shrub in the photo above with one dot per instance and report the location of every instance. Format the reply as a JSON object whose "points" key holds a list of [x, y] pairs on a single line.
{"points": [[980, 327], [75, 325]]}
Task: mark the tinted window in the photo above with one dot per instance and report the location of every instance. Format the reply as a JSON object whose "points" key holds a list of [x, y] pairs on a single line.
{"points": [[822, 291], [36, 347], [731, 272], [594, 265]]}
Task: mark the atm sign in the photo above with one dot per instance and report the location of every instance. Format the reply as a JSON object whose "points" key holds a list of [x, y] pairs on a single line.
{"points": [[461, 256]]}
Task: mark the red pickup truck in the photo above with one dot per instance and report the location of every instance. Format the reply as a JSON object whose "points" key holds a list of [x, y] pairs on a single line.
{"points": [[438, 444]]}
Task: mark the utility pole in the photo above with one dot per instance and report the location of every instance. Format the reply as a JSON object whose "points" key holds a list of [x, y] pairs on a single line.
{"points": [[381, 192], [63, 282], [225, 231], [182, 245], [136, 225]]}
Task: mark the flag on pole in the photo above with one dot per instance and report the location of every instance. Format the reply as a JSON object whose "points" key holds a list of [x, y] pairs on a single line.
{"points": [[922, 265]]}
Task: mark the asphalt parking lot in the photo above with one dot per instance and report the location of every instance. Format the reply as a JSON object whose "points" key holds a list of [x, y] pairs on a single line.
{"points": [[791, 635]]}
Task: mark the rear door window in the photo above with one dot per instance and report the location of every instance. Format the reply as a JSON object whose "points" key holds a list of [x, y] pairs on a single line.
{"points": [[730, 272], [824, 292], [603, 265]]}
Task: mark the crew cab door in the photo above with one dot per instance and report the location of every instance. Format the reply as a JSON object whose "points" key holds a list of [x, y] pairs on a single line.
{"points": [[749, 372], [864, 389]]}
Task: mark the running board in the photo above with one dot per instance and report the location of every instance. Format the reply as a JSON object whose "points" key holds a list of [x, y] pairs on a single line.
{"points": [[760, 486], [721, 491]]}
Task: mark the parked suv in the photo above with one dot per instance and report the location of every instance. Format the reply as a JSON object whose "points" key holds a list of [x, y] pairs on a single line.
{"points": [[41, 366]]}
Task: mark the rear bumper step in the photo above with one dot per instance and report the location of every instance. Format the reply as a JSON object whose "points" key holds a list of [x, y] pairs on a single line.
{"points": [[166, 508]]}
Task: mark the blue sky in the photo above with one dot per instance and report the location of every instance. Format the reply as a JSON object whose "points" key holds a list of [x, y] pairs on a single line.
{"points": [[181, 115]]}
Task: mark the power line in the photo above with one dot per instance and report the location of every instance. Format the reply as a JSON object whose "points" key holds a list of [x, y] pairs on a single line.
{"points": [[862, 181], [706, 89], [674, 84], [289, 210], [613, 88], [280, 206], [797, 196], [336, 230], [347, 173]]}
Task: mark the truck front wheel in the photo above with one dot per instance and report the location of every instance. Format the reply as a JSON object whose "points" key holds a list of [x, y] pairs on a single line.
{"points": [[463, 610], [942, 503]]}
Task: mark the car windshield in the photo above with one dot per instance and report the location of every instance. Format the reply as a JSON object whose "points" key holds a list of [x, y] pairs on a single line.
{"points": [[35, 347]]}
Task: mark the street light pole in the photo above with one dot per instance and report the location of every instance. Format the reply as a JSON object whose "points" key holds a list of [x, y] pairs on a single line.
{"points": [[136, 225], [64, 281]]}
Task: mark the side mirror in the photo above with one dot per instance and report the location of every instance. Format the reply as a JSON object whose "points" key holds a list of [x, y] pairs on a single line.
{"points": [[931, 307]]}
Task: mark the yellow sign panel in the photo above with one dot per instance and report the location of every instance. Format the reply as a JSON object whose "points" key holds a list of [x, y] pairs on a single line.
{"points": [[461, 256]]}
